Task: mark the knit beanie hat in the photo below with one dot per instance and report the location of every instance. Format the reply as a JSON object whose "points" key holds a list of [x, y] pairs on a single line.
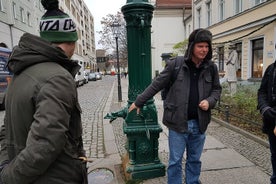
{"points": [[55, 25], [197, 36]]}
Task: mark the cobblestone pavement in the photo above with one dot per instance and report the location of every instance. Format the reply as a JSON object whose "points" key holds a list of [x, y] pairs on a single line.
{"points": [[252, 150], [92, 98]]}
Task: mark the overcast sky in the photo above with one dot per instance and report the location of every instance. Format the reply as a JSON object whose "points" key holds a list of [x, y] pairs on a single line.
{"points": [[101, 8]]}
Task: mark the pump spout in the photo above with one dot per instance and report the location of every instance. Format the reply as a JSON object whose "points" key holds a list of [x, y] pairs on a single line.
{"points": [[114, 115]]}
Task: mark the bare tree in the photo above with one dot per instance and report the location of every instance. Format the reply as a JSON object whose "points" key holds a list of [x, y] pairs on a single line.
{"points": [[107, 39]]}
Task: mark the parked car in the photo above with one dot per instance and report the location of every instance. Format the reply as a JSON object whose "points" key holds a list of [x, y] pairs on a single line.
{"points": [[5, 75], [92, 77], [98, 76], [86, 77], [79, 78]]}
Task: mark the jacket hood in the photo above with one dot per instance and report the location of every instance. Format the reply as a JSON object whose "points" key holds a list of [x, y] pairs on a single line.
{"points": [[197, 36], [32, 50]]}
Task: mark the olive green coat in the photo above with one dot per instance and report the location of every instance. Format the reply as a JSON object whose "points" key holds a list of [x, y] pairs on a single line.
{"points": [[42, 133]]}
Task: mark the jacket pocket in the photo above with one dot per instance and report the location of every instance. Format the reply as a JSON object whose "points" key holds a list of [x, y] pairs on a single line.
{"points": [[169, 111], [208, 82]]}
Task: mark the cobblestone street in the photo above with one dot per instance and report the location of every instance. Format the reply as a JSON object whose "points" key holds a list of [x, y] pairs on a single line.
{"points": [[92, 98]]}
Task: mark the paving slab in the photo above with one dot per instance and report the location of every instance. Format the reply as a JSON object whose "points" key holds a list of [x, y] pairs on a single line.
{"points": [[243, 175], [223, 159], [212, 143]]}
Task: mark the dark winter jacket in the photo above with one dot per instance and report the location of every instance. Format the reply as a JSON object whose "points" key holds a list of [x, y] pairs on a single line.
{"points": [[265, 95], [42, 133], [175, 115]]}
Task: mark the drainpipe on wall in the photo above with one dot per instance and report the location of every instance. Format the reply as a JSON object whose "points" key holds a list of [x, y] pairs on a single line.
{"points": [[10, 26], [10, 20], [184, 22]]}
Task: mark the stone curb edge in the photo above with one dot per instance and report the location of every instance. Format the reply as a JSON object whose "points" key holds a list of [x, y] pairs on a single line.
{"points": [[243, 132]]}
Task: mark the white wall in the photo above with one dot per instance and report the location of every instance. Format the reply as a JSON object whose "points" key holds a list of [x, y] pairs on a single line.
{"points": [[167, 30], [5, 34]]}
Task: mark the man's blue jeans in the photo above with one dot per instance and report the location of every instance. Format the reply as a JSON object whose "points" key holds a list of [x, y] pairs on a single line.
{"points": [[193, 140], [272, 143]]}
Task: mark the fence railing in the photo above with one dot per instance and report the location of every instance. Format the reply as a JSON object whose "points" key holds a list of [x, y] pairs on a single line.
{"points": [[225, 111]]}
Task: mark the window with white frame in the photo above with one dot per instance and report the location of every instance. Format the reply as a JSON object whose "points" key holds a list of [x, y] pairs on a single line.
{"points": [[40, 5], [259, 1], [14, 10], [209, 13], [29, 18], [1, 5], [22, 17], [221, 58], [239, 51], [37, 23], [238, 6], [221, 9], [257, 57], [198, 11]]}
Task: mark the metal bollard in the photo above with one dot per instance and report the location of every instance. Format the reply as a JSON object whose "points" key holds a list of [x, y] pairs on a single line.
{"points": [[227, 113]]}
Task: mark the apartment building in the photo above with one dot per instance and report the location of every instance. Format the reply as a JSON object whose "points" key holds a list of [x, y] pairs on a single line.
{"points": [[85, 48], [20, 16], [249, 24], [169, 27]]}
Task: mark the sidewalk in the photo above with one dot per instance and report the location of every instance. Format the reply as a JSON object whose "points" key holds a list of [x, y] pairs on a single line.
{"points": [[220, 163]]}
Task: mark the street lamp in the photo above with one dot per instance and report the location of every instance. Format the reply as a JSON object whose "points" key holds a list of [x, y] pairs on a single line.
{"points": [[115, 26]]}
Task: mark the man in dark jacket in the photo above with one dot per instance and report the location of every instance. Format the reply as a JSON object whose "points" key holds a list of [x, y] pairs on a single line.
{"points": [[267, 107], [41, 139], [187, 107]]}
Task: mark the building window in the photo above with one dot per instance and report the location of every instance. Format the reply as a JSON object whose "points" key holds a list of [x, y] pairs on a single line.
{"points": [[209, 14], [1, 5], [101, 59], [40, 5], [238, 6], [221, 58], [239, 51], [29, 18], [257, 58], [14, 10], [198, 17], [259, 1], [221, 9], [22, 18]]}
